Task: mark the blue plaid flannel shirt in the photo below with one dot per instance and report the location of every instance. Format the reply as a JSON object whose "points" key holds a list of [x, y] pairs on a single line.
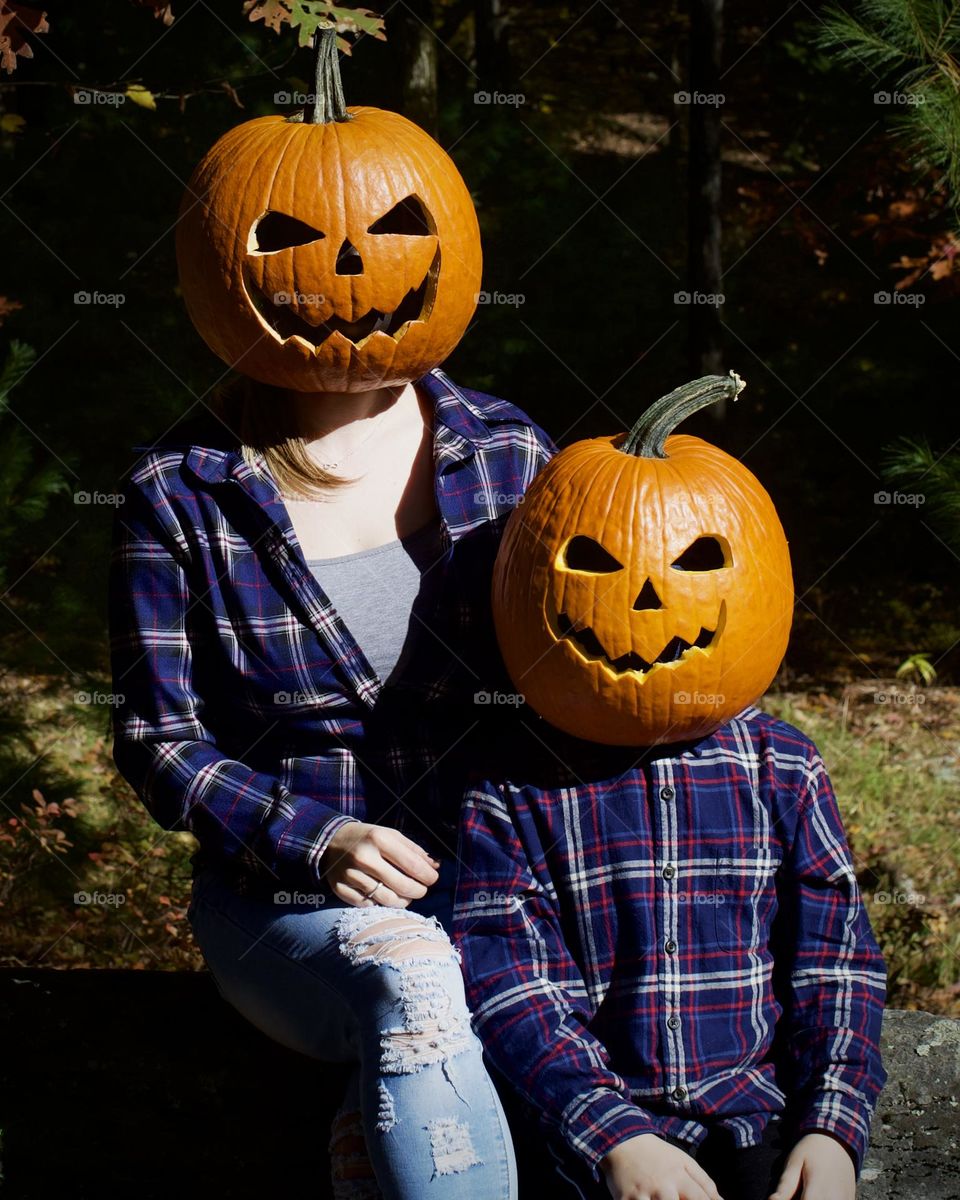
{"points": [[250, 716], [658, 942]]}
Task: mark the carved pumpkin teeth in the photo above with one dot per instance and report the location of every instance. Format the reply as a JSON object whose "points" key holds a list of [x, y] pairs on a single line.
{"points": [[673, 651], [286, 322]]}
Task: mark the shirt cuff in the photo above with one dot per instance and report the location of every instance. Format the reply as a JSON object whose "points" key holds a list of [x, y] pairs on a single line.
{"points": [[324, 836], [844, 1115], [598, 1120]]}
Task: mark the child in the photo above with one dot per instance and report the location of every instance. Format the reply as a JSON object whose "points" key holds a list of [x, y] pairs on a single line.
{"points": [[665, 949]]}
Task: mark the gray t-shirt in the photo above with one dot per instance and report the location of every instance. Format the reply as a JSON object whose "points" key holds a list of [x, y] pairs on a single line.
{"points": [[374, 591]]}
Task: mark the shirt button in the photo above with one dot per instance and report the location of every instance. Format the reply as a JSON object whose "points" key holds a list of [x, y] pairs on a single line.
{"points": [[673, 1022], [667, 793], [670, 946], [679, 1093], [668, 871]]}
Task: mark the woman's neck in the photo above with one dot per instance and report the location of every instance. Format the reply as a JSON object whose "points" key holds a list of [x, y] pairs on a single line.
{"points": [[318, 414]]}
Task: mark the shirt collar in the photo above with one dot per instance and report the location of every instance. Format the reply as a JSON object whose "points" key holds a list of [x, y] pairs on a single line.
{"points": [[454, 410]]}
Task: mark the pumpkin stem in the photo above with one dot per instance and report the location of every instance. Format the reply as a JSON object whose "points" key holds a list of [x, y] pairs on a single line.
{"points": [[328, 102], [646, 438]]}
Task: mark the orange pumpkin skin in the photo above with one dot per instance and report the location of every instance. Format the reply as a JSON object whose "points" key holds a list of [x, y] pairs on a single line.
{"points": [[338, 177], [645, 513]]}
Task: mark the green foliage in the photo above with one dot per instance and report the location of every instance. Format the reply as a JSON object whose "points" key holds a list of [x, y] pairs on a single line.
{"points": [[918, 666], [894, 772], [26, 485], [914, 44], [307, 16], [913, 463]]}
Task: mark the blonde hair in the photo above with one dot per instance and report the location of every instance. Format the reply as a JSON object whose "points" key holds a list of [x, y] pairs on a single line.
{"points": [[262, 418]]}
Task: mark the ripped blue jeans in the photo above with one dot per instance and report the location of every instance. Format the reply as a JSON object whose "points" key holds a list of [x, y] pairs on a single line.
{"points": [[380, 987]]}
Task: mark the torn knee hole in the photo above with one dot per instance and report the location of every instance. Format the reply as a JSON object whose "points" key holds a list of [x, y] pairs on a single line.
{"points": [[366, 935], [406, 949], [388, 925]]}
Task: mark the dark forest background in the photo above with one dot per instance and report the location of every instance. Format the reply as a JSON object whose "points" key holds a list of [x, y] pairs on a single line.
{"points": [[583, 194]]}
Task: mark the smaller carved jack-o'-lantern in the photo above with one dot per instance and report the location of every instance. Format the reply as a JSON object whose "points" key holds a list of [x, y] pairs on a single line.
{"points": [[339, 252], [642, 592]]}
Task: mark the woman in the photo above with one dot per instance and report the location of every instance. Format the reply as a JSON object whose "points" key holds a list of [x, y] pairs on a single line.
{"points": [[311, 740]]}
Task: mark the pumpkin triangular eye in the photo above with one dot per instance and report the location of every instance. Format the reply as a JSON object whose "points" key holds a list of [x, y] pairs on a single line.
{"points": [[584, 554], [705, 554], [279, 231], [407, 217]]}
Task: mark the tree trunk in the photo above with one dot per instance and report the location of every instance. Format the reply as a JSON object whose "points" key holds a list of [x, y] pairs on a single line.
{"points": [[492, 49], [704, 190], [412, 27]]}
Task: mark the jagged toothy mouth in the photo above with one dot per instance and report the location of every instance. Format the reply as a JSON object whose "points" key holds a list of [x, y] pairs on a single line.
{"points": [[676, 649], [287, 323]]}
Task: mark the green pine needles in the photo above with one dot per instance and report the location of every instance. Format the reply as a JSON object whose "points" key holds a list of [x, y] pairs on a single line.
{"points": [[26, 485], [911, 48]]}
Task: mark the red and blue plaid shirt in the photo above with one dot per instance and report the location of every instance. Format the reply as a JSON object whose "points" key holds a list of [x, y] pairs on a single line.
{"points": [[249, 715], [665, 941]]}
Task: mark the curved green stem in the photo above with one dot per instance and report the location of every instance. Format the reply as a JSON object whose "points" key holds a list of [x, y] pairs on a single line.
{"points": [[646, 438], [328, 102]]}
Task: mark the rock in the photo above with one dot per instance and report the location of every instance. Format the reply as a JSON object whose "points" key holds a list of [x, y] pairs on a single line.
{"points": [[915, 1139], [147, 1084]]}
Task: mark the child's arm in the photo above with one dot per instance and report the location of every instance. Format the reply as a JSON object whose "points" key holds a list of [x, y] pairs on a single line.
{"points": [[837, 980], [529, 1001]]}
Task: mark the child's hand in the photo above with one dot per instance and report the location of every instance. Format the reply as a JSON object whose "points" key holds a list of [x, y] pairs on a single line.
{"points": [[824, 1168], [649, 1168]]}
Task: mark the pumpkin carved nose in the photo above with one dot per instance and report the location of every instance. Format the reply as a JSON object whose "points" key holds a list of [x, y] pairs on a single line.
{"points": [[349, 261], [647, 599]]}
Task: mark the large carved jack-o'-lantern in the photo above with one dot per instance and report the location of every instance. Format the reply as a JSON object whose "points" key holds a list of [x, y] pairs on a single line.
{"points": [[339, 252], [642, 592]]}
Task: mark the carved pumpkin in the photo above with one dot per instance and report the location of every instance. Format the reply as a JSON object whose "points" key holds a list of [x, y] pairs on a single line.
{"points": [[642, 591], [339, 253]]}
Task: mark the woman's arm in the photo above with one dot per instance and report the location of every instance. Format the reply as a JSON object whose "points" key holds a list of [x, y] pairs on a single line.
{"points": [[163, 748]]}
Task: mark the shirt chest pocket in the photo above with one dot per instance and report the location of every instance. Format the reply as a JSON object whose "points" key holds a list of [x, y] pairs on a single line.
{"points": [[744, 899]]}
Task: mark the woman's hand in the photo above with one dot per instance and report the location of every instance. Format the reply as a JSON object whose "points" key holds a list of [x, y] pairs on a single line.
{"points": [[359, 857], [821, 1167], [649, 1168]]}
